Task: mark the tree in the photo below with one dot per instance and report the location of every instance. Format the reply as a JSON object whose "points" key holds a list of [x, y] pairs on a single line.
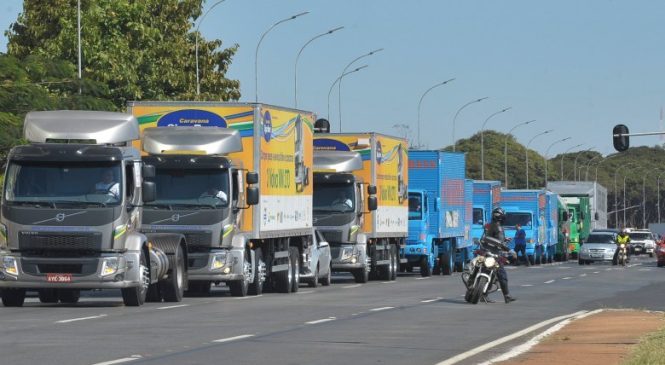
{"points": [[139, 49]]}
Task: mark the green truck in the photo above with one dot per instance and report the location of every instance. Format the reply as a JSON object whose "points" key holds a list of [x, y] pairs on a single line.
{"points": [[579, 213]]}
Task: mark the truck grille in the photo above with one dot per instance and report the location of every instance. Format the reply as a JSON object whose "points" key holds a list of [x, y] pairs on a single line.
{"points": [[333, 236], [29, 241], [60, 268], [198, 238]]}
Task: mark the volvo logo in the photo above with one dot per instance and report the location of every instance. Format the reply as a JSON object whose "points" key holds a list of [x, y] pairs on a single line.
{"points": [[60, 217], [175, 217]]}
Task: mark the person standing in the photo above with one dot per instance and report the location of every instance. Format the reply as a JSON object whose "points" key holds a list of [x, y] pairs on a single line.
{"points": [[520, 244]]}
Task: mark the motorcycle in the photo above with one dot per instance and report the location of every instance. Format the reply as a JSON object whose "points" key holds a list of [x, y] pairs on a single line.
{"points": [[481, 277], [622, 256]]}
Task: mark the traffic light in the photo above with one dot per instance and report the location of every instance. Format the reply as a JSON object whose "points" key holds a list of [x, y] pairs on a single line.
{"points": [[621, 143]]}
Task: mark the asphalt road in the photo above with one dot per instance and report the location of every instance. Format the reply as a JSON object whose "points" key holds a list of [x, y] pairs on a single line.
{"points": [[412, 320]]}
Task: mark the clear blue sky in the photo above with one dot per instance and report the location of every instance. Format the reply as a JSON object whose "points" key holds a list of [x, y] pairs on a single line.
{"points": [[578, 67]]}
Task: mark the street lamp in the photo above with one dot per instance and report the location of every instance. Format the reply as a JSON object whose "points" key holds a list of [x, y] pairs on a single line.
{"points": [[459, 110], [527, 153], [295, 68], [339, 87], [198, 82], [78, 30], [421, 101], [505, 151], [600, 163], [337, 80], [547, 161], [575, 164], [564, 155], [256, 53], [482, 141], [586, 175]]}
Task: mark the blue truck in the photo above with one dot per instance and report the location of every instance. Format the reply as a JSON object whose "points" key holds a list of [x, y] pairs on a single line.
{"points": [[437, 213], [527, 208], [552, 230], [486, 197]]}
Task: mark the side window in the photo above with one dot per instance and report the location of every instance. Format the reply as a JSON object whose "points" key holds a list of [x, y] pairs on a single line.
{"points": [[236, 177], [426, 205], [130, 185]]}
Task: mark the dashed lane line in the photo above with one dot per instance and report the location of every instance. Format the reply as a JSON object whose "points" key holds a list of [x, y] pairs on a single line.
{"points": [[120, 361], [234, 338], [174, 306], [323, 320], [352, 286], [80, 319], [566, 278], [381, 309], [550, 281], [526, 285], [431, 300], [248, 297], [424, 278]]}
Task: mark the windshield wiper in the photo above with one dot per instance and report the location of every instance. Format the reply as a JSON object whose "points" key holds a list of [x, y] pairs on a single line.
{"points": [[77, 202], [34, 204], [197, 206], [159, 206]]}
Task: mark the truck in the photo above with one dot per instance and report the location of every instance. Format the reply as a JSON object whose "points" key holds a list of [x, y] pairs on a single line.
{"points": [[552, 227], [360, 200], [234, 179], [563, 237], [438, 237], [486, 197], [527, 208], [71, 213]]}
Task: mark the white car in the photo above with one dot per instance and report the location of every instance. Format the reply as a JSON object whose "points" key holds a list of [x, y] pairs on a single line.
{"points": [[316, 261], [600, 246], [642, 241]]}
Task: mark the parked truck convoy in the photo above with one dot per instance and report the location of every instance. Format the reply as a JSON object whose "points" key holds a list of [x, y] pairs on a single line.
{"points": [[234, 179], [528, 209], [438, 240], [71, 213], [360, 200], [486, 196]]}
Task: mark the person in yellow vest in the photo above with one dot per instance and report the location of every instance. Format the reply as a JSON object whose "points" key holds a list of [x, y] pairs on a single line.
{"points": [[622, 238]]}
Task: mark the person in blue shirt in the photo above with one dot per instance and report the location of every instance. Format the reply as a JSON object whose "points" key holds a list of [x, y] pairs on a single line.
{"points": [[520, 244]]}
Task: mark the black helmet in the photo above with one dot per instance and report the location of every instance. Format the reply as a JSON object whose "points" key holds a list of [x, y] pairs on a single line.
{"points": [[498, 214]]}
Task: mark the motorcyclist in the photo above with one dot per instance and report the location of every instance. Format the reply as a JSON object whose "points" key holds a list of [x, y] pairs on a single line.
{"points": [[495, 230], [622, 238]]}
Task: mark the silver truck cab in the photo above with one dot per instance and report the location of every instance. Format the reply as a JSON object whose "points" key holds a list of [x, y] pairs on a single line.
{"points": [[71, 209]]}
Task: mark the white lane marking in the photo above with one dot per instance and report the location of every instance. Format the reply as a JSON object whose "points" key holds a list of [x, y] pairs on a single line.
{"points": [[431, 300], [80, 319], [608, 269], [120, 361], [249, 297], [549, 281], [465, 355], [526, 285], [582, 275], [644, 270], [388, 282], [520, 349], [380, 309], [305, 292], [425, 278], [566, 278], [351, 286], [564, 267], [322, 320], [596, 272], [174, 306], [235, 338]]}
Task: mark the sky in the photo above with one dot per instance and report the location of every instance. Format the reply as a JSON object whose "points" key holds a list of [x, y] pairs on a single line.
{"points": [[577, 67]]}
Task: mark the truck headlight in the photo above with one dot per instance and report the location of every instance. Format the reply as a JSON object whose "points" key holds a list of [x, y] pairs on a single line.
{"points": [[3, 235], [220, 261], [490, 262], [350, 254], [10, 265], [110, 266]]}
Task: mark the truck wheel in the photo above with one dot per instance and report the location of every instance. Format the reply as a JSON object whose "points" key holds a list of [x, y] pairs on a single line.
{"points": [[447, 268], [283, 280], [69, 296], [361, 276], [395, 263], [173, 287], [295, 264], [13, 297], [425, 269], [460, 266], [48, 295], [153, 295], [328, 278], [256, 288], [135, 296]]}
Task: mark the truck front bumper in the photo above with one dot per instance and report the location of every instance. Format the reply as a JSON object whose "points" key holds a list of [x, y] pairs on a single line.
{"points": [[415, 251], [108, 271], [217, 265]]}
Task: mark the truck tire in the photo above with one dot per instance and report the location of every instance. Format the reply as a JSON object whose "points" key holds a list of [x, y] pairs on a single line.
{"points": [[425, 269], [135, 296], [48, 295], [314, 282], [173, 287], [361, 276], [240, 288], [283, 280], [69, 296], [295, 264], [153, 295], [395, 263], [447, 263], [478, 290], [326, 280], [12, 297], [256, 288]]}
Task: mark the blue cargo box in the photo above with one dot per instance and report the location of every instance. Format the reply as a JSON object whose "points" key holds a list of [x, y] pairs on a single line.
{"points": [[528, 208], [486, 197]]}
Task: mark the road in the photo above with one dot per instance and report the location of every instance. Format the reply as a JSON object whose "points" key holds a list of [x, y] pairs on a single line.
{"points": [[412, 320]]}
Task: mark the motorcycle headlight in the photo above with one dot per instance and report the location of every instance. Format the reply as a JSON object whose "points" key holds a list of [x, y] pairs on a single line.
{"points": [[623, 245], [490, 262]]}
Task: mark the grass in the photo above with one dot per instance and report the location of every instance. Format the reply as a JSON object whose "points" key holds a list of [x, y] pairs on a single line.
{"points": [[649, 351]]}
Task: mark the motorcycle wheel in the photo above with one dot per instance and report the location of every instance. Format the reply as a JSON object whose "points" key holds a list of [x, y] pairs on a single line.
{"points": [[478, 290]]}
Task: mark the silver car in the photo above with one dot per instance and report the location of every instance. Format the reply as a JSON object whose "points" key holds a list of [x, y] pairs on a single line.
{"points": [[316, 262], [642, 241], [600, 246]]}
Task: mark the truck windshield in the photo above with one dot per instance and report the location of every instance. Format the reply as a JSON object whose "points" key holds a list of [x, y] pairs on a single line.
{"points": [[415, 206], [337, 198], [512, 219], [191, 188], [72, 183], [478, 216]]}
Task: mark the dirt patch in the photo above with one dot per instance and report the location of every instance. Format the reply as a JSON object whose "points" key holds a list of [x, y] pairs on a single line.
{"points": [[605, 338]]}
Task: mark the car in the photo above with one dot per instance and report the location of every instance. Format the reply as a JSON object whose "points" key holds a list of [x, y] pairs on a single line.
{"points": [[642, 241], [600, 246], [316, 260]]}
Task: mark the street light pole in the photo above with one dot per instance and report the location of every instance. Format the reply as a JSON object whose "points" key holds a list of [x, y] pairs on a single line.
{"points": [[78, 29], [575, 164], [421, 101], [256, 53], [482, 141], [527, 153], [564, 154], [547, 161], [295, 67], [336, 81], [600, 163], [505, 151], [459, 110], [196, 47], [339, 86], [586, 174]]}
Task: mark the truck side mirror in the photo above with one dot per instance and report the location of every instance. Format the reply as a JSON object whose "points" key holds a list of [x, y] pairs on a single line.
{"points": [[596, 216], [582, 216], [252, 178], [149, 191], [148, 171], [565, 216], [372, 203], [252, 195], [371, 189], [620, 138]]}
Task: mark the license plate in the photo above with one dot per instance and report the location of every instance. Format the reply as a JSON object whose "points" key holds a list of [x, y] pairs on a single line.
{"points": [[59, 278], [638, 249], [597, 256]]}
